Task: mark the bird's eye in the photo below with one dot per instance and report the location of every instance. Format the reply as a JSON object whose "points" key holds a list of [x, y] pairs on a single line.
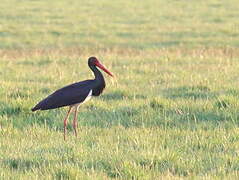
{"points": [[96, 61]]}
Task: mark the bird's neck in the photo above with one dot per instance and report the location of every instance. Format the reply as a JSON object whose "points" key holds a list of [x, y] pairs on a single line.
{"points": [[97, 73], [99, 81]]}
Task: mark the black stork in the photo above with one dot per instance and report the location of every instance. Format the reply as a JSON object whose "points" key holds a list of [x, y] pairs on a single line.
{"points": [[76, 94]]}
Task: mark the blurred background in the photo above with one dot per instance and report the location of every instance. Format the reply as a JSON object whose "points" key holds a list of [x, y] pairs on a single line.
{"points": [[123, 24], [171, 112]]}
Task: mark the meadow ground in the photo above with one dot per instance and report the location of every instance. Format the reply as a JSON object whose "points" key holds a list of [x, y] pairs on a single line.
{"points": [[172, 111]]}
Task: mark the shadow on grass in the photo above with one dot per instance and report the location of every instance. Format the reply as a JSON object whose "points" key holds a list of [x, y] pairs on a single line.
{"points": [[10, 109], [89, 116], [156, 112], [128, 117], [120, 95], [154, 116], [22, 164], [190, 92]]}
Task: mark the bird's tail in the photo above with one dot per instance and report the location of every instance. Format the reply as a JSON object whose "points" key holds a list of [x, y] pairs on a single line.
{"points": [[36, 108]]}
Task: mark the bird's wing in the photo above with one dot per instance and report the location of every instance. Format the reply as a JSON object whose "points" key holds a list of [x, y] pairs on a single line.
{"points": [[69, 95]]}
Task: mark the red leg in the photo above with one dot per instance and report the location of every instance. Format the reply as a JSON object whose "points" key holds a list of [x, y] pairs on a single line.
{"points": [[75, 121], [65, 122]]}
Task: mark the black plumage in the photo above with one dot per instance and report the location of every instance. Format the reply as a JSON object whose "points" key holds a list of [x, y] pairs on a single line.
{"points": [[75, 94], [66, 96]]}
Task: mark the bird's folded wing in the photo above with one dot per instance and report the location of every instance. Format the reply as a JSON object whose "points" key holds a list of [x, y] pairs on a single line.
{"points": [[69, 95]]}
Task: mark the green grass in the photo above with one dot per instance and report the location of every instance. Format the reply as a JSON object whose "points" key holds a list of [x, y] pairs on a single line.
{"points": [[171, 112]]}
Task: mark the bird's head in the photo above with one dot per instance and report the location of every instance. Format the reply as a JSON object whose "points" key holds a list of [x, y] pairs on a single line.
{"points": [[93, 61]]}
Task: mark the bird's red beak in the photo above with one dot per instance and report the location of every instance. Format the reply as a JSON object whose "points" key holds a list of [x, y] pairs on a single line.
{"points": [[101, 66]]}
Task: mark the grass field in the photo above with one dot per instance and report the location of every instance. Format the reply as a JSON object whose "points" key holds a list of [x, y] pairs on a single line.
{"points": [[172, 112]]}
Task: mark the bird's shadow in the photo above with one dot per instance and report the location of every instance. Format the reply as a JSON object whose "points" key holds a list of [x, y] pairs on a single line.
{"points": [[121, 95], [153, 113], [190, 92]]}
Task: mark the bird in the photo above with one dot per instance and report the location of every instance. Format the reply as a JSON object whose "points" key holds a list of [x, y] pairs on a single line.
{"points": [[76, 94]]}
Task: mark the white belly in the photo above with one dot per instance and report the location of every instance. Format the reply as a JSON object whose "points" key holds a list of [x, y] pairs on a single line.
{"points": [[86, 99]]}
